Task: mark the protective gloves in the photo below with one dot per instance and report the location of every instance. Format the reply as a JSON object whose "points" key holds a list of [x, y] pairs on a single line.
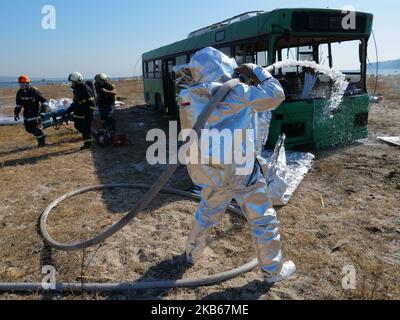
{"points": [[246, 75]]}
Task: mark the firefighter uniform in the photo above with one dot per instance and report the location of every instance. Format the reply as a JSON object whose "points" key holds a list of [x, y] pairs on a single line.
{"points": [[105, 102], [32, 101], [83, 109], [245, 109]]}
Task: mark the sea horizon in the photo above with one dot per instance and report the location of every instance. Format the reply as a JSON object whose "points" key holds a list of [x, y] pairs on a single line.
{"points": [[14, 84]]}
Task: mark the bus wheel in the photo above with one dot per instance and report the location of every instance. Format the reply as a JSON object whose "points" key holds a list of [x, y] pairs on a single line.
{"points": [[160, 107]]}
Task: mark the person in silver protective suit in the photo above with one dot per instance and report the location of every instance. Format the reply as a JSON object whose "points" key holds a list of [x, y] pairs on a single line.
{"points": [[247, 108]]}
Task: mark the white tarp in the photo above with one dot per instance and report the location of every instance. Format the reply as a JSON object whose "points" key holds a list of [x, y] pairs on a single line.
{"points": [[298, 164], [391, 140], [55, 105], [59, 104], [284, 172]]}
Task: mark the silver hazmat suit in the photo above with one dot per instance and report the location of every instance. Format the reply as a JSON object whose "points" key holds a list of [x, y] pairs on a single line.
{"points": [[245, 107]]}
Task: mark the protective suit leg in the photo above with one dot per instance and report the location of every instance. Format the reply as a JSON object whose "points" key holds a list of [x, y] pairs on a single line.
{"points": [[213, 205], [261, 216]]}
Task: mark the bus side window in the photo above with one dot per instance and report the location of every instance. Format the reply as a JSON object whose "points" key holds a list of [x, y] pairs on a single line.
{"points": [[157, 69], [180, 60], [245, 54], [226, 51], [145, 70], [170, 65], [150, 69], [262, 58]]}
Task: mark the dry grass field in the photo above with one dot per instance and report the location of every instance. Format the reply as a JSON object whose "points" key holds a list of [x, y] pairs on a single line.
{"points": [[358, 225]]}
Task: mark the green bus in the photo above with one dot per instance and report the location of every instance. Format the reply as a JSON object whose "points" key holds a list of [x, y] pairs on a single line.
{"points": [[263, 38]]}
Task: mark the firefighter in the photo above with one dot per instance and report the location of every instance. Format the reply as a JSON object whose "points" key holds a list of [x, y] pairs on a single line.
{"points": [[83, 108], [34, 105], [247, 106], [105, 100]]}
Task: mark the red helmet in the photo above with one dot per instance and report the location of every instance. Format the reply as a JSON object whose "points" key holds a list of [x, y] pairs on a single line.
{"points": [[24, 79]]}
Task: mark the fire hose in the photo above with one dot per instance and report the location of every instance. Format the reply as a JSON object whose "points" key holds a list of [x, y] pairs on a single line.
{"points": [[152, 192], [142, 285]]}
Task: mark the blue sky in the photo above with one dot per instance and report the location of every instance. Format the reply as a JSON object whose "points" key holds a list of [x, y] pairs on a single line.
{"points": [[109, 36]]}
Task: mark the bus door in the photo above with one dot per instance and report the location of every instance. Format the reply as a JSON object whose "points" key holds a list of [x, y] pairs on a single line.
{"points": [[168, 85]]}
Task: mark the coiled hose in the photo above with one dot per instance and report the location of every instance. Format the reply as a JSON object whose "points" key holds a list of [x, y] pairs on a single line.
{"points": [[142, 285], [121, 287], [153, 191], [147, 198]]}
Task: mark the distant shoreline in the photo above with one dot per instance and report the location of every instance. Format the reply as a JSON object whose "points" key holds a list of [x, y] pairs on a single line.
{"points": [[384, 72], [14, 84], [34, 83]]}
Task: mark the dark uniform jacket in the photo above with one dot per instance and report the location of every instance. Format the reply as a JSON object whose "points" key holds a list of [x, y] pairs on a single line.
{"points": [[31, 100], [83, 105], [104, 98]]}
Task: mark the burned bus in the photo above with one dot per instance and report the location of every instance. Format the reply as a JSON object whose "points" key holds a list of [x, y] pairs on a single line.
{"points": [[264, 38]]}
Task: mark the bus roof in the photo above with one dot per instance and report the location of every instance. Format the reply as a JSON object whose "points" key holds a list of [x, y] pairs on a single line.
{"points": [[276, 21]]}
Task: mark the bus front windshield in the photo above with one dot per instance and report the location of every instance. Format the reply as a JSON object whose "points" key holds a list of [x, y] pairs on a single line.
{"points": [[303, 83]]}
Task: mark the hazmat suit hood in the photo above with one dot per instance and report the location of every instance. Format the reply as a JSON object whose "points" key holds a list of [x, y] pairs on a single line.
{"points": [[207, 65]]}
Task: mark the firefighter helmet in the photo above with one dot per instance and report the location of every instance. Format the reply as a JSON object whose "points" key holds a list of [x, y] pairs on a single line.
{"points": [[75, 77], [101, 76], [24, 79]]}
